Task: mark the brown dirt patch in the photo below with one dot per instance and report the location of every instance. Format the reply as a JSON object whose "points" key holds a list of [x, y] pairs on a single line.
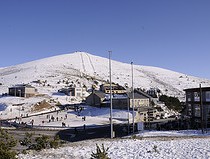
{"points": [[40, 106]]}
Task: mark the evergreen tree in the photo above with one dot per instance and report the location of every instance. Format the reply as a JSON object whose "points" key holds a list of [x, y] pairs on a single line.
{"points": [[101, 153], [171, 102]]}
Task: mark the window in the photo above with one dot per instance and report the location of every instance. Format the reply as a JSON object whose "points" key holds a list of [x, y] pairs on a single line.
{"points": [[136, 102], [207, 96], [78, 94], [196, 96], [189, 109], [197, 110], [188, 97]]}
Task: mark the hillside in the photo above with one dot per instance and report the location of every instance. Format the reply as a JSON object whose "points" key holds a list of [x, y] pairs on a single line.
{"points": [[83, 68]]}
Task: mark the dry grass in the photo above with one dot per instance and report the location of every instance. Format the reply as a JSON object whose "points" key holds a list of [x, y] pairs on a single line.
{"points": [[41, 106]]}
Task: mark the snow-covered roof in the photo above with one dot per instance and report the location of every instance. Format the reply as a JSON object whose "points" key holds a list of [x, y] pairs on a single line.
{"points": [[22, 85], [137, 95]]}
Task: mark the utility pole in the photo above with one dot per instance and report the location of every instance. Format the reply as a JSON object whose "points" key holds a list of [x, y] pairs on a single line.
{"points": [[110, 80], [19, 90], [132, 96], [202, 110], [128, 102]]}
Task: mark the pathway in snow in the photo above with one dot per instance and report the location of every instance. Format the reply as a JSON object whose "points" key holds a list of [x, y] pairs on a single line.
{"points": [[91, 63], [83, 65]]}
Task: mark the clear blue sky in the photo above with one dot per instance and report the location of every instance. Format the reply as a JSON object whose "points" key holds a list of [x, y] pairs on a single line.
{"points": [[172, 34]]}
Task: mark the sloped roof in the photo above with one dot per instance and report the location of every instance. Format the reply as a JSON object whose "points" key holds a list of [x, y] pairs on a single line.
{"points": [[100, 94], [143, 93], [139, 95], [114, 87]]}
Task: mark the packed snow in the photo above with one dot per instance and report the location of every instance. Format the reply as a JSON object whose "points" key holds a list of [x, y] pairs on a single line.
{"points": [[72, 118], [169, 146], [54, 117]]}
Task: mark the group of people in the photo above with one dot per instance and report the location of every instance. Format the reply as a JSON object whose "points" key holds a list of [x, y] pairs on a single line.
{"points": [[52, 118], [56, 118]]}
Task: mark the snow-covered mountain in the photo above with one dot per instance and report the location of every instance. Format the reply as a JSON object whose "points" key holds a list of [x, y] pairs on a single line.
{"points": [[83, 68]]}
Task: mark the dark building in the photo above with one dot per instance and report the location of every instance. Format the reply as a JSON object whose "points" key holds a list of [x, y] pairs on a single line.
{"points": [[119, 101], [96, 99], [100, 99], [198, 107], [22, 90]]}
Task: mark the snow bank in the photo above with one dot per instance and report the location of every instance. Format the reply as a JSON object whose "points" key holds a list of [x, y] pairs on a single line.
{"points": [[131, 149]]}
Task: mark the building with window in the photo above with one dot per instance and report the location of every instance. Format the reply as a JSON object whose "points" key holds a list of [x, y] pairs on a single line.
{"points": [[141, 99], [74, 91], [198, 106], [116, 89], [22, 90], [96, 99]]}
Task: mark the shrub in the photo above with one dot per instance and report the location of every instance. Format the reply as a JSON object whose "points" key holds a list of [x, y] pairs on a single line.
{"points": [[41, 143], [27, 139], [134, 136], [7, 142], [155, 149], [55, 143], [101, 153], [45, 142]]}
